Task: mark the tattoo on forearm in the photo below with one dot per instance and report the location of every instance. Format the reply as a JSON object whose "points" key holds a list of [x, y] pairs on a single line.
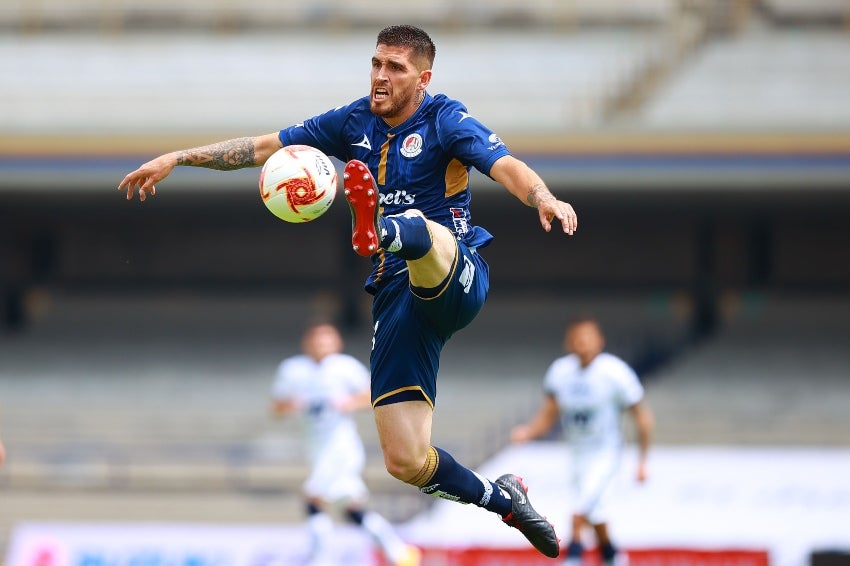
{"points": [[538, 194], [224, 156]]}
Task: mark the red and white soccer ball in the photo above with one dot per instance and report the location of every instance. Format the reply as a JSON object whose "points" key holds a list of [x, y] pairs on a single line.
{"points": [[298, 183]]}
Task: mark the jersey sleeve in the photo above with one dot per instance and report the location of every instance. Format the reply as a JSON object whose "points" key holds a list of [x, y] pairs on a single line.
{"points": [[357, 376], [469, 140], [630, 390], [549, 379], [282, 387], [324, 132]]}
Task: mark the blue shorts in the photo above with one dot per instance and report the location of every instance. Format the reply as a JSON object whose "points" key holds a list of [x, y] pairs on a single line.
{"points": [[412, 325]]}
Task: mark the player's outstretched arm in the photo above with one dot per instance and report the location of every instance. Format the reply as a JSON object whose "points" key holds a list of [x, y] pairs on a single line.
{"points": [[285, 407], [644, 425], [224, 156], [356, 402], [526, 185], [540, 424]]}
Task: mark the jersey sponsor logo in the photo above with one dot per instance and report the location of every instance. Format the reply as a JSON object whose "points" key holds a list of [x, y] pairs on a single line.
{"points": [[316, 408], [463, 115], [467, 276], [459, 221], [495, 142], [434, 492], [581, 419], [397, 197], [412, 145], [364, 143]]}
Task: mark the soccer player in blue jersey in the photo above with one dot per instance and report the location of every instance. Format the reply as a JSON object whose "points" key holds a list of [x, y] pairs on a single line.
{"points": [[409, 155]]}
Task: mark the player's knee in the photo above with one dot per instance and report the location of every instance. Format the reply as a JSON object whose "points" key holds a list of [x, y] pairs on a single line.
{"points": [[402, 465], [400, 468]]}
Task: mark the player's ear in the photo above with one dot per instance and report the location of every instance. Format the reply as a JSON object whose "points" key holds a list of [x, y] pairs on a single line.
{"points": [[424, 79]]}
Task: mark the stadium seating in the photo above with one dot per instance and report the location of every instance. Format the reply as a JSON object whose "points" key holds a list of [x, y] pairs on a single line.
{"points": [[171, 393], [566, 63], [66, 85], [164, 394], [776, 373], [161, 391], [132, 15], [791, 80], [836, 11]]}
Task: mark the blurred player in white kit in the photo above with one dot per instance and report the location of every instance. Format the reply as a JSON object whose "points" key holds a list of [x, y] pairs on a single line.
{"points": [[589, 389], [324, 386]]}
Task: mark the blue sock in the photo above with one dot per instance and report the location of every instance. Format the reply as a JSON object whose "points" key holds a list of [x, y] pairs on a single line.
{"points": [[575, 550], [406, 236], [608, 551], [456, 483]]}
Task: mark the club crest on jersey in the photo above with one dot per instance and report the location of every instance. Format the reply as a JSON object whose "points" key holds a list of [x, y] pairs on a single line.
{"points": [[412, 145]]}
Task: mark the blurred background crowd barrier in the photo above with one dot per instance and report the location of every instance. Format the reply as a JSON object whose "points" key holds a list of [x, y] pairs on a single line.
{"points": [[705, 145]]}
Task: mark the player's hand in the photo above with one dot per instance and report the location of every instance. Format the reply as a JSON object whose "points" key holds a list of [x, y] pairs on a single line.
{"points": [[344, 405], [282, 408], [552, 208], [143, 180], [520, 434], [641, 472], [352, 403]]}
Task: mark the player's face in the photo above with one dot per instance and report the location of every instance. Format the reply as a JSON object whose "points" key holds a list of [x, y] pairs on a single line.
{"points": [[585, 340], [321, 341], [396, 82]]}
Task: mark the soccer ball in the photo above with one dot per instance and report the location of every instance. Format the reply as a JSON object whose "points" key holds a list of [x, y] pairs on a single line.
{"points": [[298, 183]]}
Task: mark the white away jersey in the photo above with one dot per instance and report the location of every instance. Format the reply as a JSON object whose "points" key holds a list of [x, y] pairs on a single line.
{"points": [[316, 387], [591, 399]]}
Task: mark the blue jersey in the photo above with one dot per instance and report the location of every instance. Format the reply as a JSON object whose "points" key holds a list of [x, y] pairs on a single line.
{"points": [[423, 163]]}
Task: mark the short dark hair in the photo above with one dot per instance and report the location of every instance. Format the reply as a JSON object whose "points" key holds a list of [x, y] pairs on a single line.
{"points": [[411, 37]]}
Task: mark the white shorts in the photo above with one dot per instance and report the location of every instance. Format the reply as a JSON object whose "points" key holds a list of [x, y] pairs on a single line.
{"points": [[337, 472], [594, 477]]}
